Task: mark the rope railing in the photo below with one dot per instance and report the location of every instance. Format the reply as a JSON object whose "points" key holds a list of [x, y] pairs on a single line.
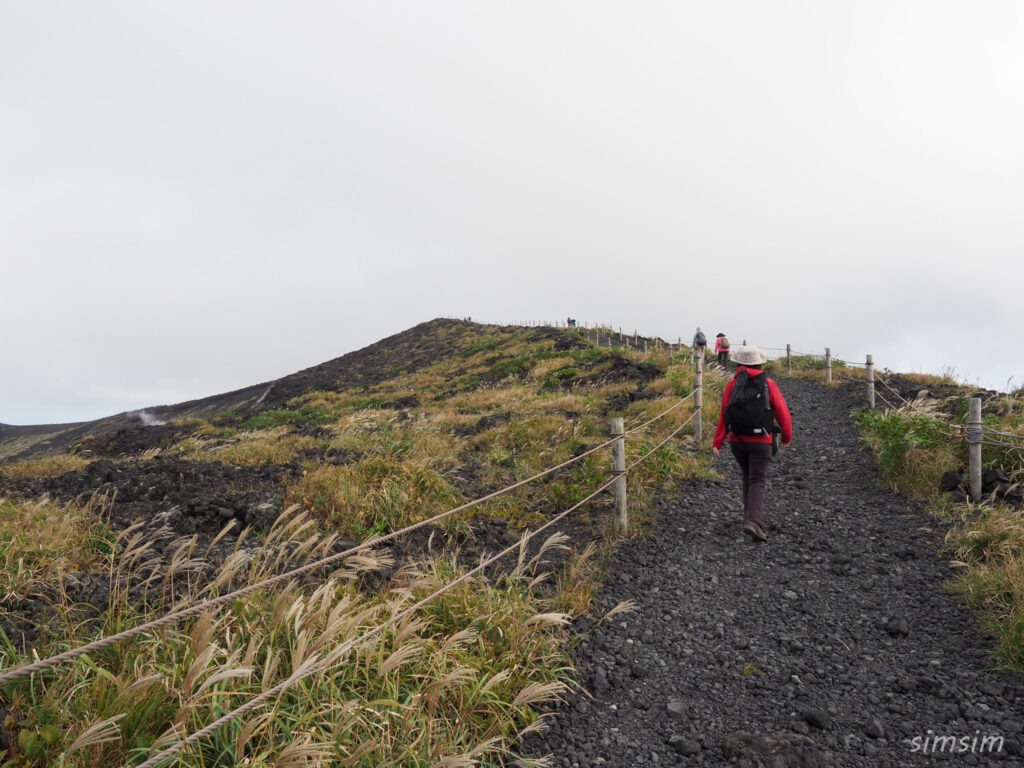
{"points": [[314, 666], [659, 445], [990, 431], [879, 377], [849, 378], [1000, 444], [16, 673], [882, 397]]}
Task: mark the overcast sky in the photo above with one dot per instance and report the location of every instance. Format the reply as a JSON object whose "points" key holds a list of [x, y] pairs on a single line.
{"points": [[199, 196]]}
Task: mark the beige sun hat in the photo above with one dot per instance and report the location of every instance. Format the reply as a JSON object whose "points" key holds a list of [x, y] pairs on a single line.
{"points": [[748, 356]]}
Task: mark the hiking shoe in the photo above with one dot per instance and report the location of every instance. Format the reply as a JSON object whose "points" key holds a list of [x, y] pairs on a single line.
{"points": [[755, 532]]}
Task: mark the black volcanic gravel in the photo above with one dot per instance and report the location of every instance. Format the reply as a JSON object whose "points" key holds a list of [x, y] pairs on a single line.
{"points": [[833, 644]]}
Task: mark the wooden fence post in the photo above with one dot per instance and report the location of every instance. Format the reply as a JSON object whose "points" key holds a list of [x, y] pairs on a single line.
{"points": [[619, 468], [828, 365], [789, 359], [974, 446], [645, 349], [698, 398], [871, 382]]}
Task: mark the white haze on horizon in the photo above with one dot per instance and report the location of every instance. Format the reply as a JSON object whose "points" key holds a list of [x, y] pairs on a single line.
{"points": [[195, 198]]}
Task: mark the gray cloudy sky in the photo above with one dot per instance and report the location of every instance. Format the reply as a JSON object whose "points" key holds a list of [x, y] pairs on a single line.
{"points": [[198, 196]]}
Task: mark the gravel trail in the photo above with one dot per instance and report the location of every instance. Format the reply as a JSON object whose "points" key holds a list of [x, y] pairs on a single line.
{"points": [[833, 644]]}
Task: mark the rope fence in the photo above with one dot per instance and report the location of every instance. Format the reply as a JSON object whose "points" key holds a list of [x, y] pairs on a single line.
{"points": [[315, 665], [882, 397], [197, 608], [990, 431], [902, 399]]}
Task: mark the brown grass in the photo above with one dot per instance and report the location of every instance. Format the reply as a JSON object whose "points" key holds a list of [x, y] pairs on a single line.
{"points": [[50, 466]]}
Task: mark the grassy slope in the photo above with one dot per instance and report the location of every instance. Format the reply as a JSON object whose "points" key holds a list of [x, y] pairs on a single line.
{"points": [[387, 436]]}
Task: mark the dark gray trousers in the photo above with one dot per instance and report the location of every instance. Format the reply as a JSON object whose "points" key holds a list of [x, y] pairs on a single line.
{"points": [[754, 460]]}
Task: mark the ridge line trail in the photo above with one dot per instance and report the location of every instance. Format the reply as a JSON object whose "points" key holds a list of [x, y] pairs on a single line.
{"points": [[833, 644]]}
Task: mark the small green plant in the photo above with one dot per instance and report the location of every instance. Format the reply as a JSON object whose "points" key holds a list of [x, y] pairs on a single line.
{"points": [[482, 345], [472, 381], [912, 449], [680, 382], [516, 366], [556, 379], [304, 415]]}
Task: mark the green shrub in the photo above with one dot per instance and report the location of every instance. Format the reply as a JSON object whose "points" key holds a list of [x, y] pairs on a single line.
{"points": [[481, 345], [680, 382], [912, 450], [471, 381], [275, 418], [516, 366], [555, 379]]}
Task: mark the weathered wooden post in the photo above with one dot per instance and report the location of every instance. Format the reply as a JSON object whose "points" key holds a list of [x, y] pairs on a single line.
{"points": [[789, 359], [828, 365], [871, 382], [698, 398], [974, 446], [645, 349], [619, 470]]}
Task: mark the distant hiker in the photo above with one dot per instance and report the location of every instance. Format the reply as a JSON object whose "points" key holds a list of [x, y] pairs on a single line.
{"points": [[570, 322], [752, 405], [700, 343], [722, 350]]}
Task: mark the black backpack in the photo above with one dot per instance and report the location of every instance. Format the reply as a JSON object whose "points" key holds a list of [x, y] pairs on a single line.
{"points": [[749, 411], [699, 339]]}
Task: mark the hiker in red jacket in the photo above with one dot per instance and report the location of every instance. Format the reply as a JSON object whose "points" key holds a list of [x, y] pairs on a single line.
{"points": [[722, 350], [750, 423]]}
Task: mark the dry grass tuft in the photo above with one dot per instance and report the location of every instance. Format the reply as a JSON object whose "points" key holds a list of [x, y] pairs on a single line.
{"points": [[49, 466]]}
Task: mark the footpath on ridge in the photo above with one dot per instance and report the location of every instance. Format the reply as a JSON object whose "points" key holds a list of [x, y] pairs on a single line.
{"points": [[833, 644]]}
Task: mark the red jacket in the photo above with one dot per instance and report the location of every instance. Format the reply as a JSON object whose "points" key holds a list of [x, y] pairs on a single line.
{"points": [[778, 406]]}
